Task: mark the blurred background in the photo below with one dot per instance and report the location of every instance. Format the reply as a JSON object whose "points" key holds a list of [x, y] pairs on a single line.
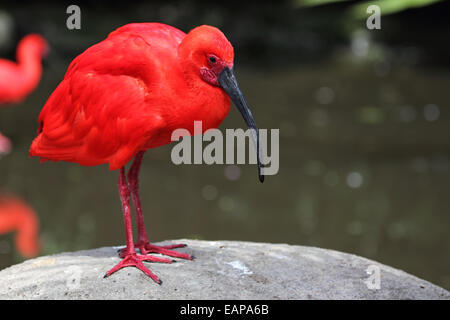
{"points": [[364, 133]]}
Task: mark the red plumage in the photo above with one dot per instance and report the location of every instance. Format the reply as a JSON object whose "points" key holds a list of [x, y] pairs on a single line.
{"points": [[127, 94]]}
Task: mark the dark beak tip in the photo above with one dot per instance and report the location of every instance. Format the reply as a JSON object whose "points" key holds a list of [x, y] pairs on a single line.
{"points": [[229, 84]]}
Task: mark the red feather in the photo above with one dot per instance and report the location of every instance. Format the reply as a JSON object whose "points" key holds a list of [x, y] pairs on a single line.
{"points": [[127, 94]]}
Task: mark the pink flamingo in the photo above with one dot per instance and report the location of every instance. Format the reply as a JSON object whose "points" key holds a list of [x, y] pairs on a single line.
{"points": [[16, 215]]}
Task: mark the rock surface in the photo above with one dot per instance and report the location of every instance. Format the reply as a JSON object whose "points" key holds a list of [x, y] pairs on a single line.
{"points": [[221, 270]]}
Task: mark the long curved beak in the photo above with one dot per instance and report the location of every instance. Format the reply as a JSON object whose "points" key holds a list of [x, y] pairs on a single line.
{"points": [[228, 82]]}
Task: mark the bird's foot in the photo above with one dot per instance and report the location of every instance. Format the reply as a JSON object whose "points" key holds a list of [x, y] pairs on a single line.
{"points": [[145, 248], [135, 260]]}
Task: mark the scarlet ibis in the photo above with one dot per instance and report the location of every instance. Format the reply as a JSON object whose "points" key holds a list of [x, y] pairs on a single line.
{"points": [[17, 80], [125, 95], [16, 215]]}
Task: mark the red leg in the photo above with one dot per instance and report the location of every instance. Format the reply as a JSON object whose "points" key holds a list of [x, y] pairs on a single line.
{"points": [[143, 244], [130, 258]]}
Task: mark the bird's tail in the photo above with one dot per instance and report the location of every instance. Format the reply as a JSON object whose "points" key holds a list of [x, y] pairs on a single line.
{"points": [[39, 148]]}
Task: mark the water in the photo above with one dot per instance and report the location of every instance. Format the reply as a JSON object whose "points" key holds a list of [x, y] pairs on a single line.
{"points": [[364, 168]]}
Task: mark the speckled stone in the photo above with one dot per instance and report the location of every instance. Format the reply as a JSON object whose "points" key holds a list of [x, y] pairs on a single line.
{"points": [[221, 270]]}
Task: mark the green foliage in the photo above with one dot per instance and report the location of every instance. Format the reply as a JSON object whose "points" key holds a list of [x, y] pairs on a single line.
{"points": [[311, 3], [359, 10], [389, 6]]}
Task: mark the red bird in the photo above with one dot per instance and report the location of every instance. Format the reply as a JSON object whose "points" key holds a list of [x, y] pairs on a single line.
{"points": [[15, 215], [17, 80], [127, 94]]}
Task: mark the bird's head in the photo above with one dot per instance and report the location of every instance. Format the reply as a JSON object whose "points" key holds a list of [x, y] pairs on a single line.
{"points": [[207, 54], [36, 44], [205, 51]]}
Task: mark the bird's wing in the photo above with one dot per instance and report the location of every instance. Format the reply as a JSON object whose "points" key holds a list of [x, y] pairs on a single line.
{"points": [[99, 112], [152, 31]]}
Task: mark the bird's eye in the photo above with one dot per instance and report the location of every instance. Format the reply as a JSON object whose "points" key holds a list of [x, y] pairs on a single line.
{"points": [[212, 59]]}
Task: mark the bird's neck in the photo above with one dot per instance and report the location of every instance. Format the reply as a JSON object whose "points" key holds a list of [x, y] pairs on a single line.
{"points": [[15, 216], [27, 237], [29, 63], [208, 104]]}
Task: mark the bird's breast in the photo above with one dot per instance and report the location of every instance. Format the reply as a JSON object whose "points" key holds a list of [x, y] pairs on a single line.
{"points": [[210, 108]]}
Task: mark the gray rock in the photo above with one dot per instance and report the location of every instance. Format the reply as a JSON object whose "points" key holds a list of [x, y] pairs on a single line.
{"points": [[221, 270]]}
